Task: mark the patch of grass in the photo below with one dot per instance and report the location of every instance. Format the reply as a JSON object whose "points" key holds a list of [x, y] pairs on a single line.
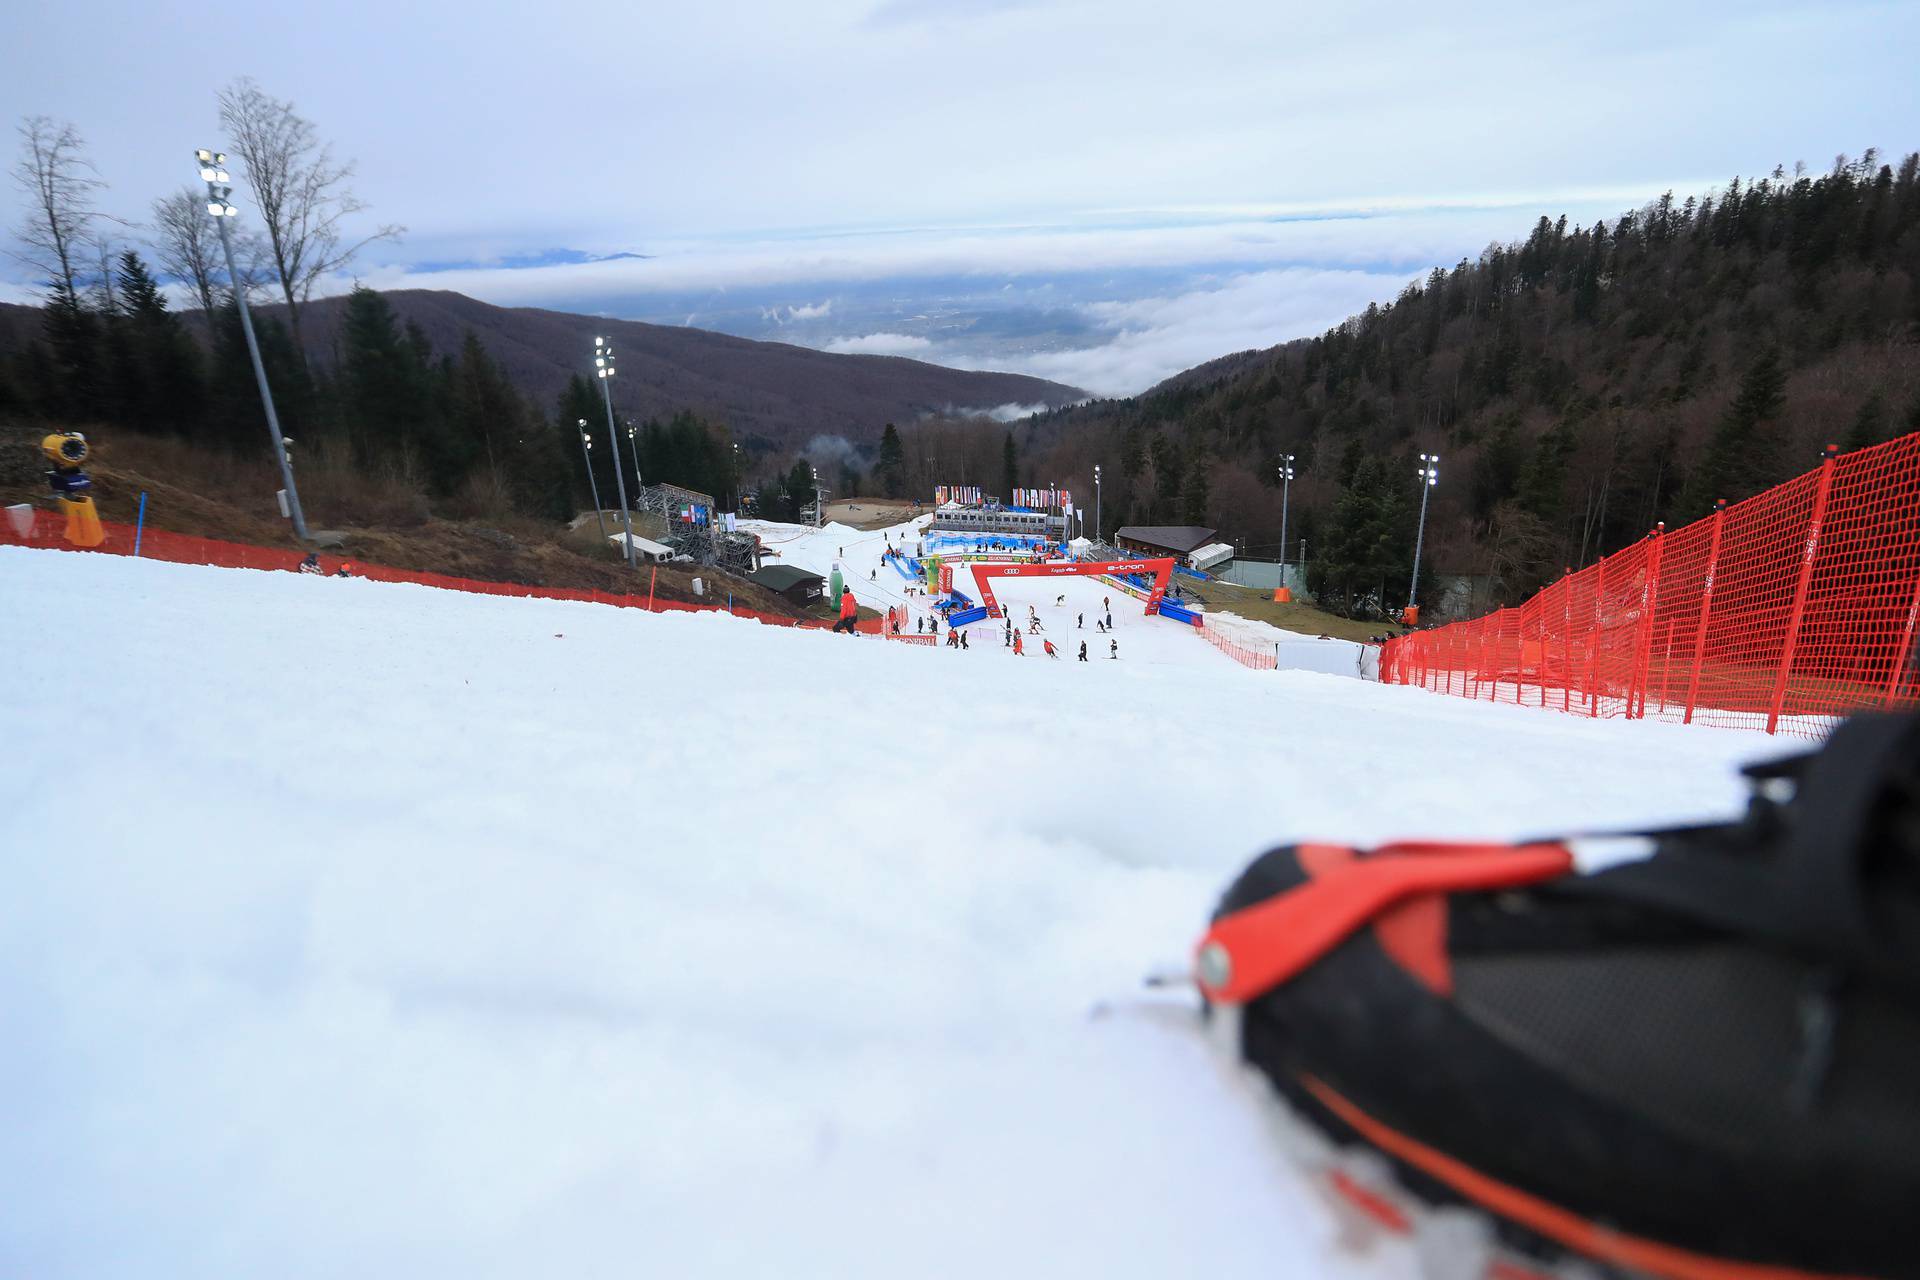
{"points": [[1257, 604]]}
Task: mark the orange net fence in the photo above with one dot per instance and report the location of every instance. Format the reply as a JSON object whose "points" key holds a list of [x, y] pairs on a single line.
{"points": [[1783, 612], [1260, 659], [47, 530]]}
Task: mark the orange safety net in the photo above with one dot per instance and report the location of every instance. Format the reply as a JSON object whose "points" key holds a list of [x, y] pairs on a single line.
{"points": [[1245, 655], [48, 531], [1783, 612]]}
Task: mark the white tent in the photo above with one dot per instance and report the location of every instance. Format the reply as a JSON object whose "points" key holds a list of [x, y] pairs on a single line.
{"points": [[1210, 555], [645, 548]]}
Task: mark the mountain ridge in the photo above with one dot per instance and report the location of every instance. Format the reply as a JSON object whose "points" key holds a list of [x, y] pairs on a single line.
{"points": [[774, 395]]}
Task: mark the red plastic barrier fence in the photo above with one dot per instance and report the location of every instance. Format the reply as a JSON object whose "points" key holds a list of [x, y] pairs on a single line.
{"points": [[1783, 612], [48, 531], [1245, 655]]}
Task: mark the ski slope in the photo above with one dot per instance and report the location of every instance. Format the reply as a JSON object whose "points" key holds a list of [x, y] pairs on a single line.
{"points": [[366, 929], [1142, 639]]}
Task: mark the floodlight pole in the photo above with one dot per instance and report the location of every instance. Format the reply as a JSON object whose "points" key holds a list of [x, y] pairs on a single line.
{"points": [[1286, 488], [1099, 530], [586, 451], [603, 365], [1429, 477], [219, 204]]}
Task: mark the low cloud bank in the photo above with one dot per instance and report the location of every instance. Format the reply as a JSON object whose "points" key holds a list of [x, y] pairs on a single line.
{"points": [[881, 344]]}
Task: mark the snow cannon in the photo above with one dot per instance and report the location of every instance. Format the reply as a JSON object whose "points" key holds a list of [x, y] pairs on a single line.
{"points": [[71, 487]]}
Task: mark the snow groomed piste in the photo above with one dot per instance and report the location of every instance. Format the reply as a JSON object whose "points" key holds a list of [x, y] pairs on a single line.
{"points": [[415, 932]]}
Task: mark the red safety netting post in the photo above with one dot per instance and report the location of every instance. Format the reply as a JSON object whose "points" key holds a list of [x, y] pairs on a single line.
{"points": [[1593, 638], [1643, 647], [1706, 607], [1797, 613], [1904, 649], [1666, 665]]}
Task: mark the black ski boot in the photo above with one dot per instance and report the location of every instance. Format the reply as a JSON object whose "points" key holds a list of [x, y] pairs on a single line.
{"points": [[1702, 1062]]}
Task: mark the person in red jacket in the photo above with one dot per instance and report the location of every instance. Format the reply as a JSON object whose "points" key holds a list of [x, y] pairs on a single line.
{"points": [[849, 613], [1018, 648]]}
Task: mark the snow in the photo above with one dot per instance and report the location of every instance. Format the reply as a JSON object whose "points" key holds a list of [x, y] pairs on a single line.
{"points": [[1297, 651], [364, 928]]}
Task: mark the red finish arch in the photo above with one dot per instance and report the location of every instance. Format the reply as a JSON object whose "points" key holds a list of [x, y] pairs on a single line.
{"points": [[984, 574]]}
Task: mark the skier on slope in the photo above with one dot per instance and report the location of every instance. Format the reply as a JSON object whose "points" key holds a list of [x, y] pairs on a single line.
{"points": [[1051, 652], [1115, 651], [312, 563], [1083, 651], [1018, 646], [1080, 622], [849, 613]]}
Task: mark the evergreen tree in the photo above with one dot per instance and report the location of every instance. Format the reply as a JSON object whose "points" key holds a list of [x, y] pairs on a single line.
{"points": [[1365, 551], [1009, 468], [1869, 424], [1194, 493], [235, 419], [800, 493], [580, 410], [158, 381], [1169, 473], [72, 335], [1745, 453], [1133, 452], [388, 389], [891, 468]]}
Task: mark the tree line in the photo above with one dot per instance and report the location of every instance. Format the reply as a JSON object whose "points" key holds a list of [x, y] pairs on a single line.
{"points": [[1580, 385], [111, 351]]}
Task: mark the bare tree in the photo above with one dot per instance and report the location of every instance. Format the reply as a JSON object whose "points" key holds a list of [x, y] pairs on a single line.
{"points": [[188, 248], [59, 181], [299, 191], [186, 243], [105, 300]]}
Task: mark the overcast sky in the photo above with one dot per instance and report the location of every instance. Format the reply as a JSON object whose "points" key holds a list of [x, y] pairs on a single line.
{"points": [[794, 143]]}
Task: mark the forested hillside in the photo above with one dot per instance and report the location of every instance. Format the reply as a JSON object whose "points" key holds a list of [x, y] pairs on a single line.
{"points": [[1579, 385]]}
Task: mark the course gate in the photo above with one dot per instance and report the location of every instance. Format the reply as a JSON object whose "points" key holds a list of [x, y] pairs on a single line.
{"points": [[1162, 570]]}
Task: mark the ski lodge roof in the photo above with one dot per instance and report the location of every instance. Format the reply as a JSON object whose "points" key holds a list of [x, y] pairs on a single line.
{"points": [[1176, 538], [782, 578]]}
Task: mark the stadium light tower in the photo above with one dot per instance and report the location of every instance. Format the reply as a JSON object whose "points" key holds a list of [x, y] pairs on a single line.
{"points": [[213, 171], [1099, 530], [1429, 476], [634, 448], [603, 367], [586, 451], [1286, 488]]}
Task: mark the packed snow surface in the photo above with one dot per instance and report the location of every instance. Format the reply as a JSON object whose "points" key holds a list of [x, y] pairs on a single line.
{"points": [[367, 929]]}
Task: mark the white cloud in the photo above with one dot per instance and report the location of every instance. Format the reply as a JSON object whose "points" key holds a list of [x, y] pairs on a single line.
{"points": [[1008, 412], [811, 311], [1154, 338], [1416, 237], [881, 344]]}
